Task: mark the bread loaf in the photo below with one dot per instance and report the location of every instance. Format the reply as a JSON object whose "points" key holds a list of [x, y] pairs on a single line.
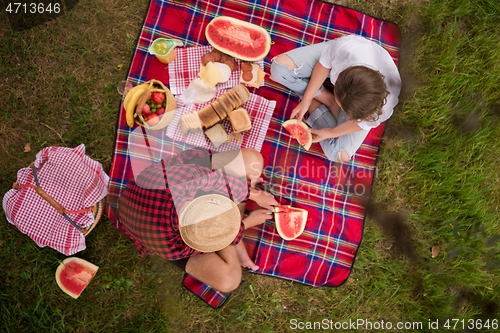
{"points": [[219, 109], [242, 93], [208, 116], [240, 120], [232, 99], [224, 104]]}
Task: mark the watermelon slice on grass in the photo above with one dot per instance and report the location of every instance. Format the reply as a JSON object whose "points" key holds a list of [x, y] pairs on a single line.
{"points": [[290, 221], [74, 274]]}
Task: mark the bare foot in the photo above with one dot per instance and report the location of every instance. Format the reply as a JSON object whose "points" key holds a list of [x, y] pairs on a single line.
{"points": [[245, 260]]}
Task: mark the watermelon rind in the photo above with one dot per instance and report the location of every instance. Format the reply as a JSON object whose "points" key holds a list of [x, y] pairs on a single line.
{"points": [[278, 222], [89, 266], [285, 124], [240, 23]]}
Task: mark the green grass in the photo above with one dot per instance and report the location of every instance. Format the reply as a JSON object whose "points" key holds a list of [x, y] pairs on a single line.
{"points": [[438, 168]]}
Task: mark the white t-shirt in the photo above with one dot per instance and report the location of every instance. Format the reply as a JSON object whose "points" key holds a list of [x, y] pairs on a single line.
{"points": [[354, 50]]}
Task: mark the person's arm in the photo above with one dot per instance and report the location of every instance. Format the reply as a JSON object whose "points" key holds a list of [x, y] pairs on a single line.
{"points": [[318, 76], [256, 217], [348, 127], [262, 198]]}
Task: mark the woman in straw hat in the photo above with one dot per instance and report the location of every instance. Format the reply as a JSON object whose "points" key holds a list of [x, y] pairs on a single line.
{"points": [[188, 209]]}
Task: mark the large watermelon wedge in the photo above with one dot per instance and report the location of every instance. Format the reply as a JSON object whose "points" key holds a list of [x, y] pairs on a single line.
{"points": [[300, 132], [240, 39], [74, 274], [290, 221]]}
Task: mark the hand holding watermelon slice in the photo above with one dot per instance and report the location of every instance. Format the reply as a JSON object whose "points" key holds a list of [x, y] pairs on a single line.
{"points": [[256, 217], [300, 110], [263, 199], [320, 134], [299, 131]]}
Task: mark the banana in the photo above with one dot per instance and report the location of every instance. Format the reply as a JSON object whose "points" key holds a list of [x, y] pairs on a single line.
{"points": [[131, 92], [130, 107]]}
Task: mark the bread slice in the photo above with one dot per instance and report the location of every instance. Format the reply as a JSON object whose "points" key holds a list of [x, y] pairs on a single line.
{"points": [[219, 110], [240, 120], [190, 123], [232, 98], [217, 135], [238, 95], [257, 77], [242, 93], [208, 116], [183, 123], [224, 104]]}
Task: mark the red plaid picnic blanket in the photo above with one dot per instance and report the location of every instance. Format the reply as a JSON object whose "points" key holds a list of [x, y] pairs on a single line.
{"points": [[259, 109], [335, 195], [72, 179], [186, 66]]}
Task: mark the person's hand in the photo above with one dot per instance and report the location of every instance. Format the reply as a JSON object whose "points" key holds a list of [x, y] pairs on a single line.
{"points": [[256, 217], [264, 199], [300, 110], [320, 135]]}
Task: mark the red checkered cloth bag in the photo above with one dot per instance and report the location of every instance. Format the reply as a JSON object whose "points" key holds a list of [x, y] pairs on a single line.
{"points": [[55, 200]]}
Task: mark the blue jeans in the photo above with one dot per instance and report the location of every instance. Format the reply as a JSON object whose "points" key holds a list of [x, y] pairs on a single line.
{"points": [[322, 118], [297, 79], [305, 58]]}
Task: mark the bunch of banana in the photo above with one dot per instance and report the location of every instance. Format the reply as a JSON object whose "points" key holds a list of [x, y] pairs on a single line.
{"points": [[131, 100], [137, 97]]}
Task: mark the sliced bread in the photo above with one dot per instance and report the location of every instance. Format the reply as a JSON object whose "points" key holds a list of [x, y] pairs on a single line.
{"points": [[217, 135], [208, 116]]}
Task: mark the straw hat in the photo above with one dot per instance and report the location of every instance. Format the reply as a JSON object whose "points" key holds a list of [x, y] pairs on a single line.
{"points": [[209, 223]]}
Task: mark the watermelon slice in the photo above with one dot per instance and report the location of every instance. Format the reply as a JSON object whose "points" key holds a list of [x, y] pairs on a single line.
{"points": [[299, 131], [290, 222], [74, 274], [240, 39]]}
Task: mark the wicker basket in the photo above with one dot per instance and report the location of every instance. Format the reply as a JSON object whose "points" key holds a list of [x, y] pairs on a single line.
{"points": [[170, 108], [96, 210]]}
